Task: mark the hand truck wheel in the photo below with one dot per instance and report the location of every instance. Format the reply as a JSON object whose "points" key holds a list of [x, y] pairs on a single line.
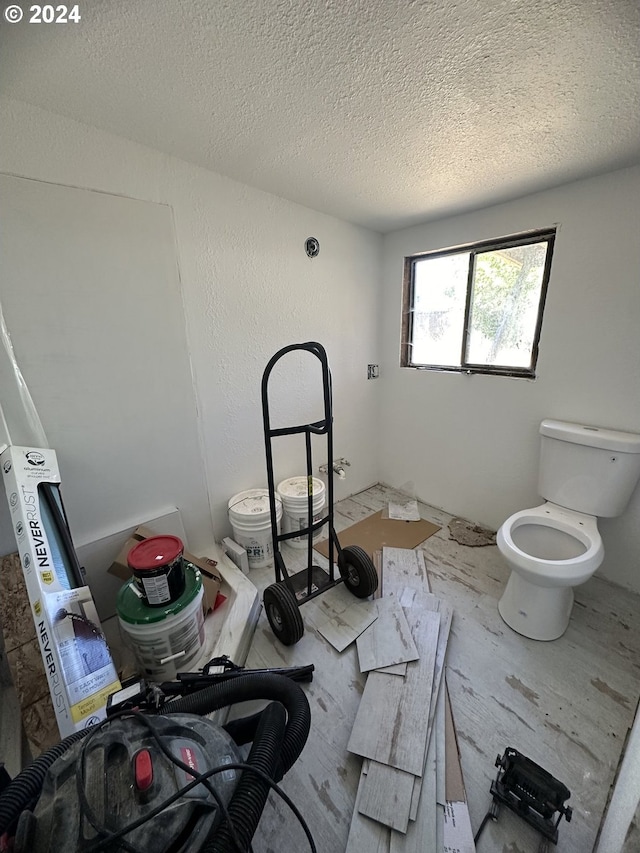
{"points": [[283, 614], [358, 572]]}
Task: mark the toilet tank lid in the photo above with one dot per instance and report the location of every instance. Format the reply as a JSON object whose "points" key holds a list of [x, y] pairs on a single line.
{"points": [[607, 439]]}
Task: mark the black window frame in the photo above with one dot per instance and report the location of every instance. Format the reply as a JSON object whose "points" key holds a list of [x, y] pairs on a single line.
{"points": [[473, 249]]}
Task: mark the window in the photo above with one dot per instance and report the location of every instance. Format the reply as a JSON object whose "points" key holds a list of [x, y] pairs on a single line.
{"points": [[478, 308]]}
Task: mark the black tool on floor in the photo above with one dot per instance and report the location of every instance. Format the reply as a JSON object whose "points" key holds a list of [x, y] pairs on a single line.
{"points": [[140, 695], [529, 791], [283, 598]]}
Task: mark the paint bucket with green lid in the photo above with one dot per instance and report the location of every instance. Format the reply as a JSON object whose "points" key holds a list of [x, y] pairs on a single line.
{"points": [[165, 639]]}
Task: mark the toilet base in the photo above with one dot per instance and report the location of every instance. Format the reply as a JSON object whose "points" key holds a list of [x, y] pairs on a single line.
{"points": [[536, 612]]}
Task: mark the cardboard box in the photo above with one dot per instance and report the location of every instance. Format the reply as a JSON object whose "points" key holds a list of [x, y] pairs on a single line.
{"points": [[211, 579], [77, 662]]}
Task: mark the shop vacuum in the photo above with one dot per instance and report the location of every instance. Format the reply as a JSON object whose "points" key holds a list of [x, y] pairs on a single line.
{"points": [[164, 779]]}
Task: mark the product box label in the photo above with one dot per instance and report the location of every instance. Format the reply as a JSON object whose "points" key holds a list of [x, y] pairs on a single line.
{"points": [[76, 658]]}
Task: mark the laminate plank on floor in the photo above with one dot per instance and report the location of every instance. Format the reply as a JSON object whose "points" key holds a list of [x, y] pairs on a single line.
{"points": [[421, 834], [400, 568], [388, 640], [385, 795], [388, 722], [344, 628], [395, 669], [366, 835], [446, 618]]}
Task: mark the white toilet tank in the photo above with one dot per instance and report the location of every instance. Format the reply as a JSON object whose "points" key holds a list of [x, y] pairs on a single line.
{"points": [[588, 469]]}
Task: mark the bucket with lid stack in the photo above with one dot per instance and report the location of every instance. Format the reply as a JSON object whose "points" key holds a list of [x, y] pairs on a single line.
{"points": [[166, 639], [250, 517], [158, 569], [295, 506]]}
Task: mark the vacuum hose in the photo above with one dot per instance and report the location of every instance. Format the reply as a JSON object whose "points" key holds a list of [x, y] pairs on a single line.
{"points": [[26, 787], [246, 688], [249, 798], [276, 747]]}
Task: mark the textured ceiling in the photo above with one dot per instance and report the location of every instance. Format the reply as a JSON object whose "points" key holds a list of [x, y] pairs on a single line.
{"points": [[381, 112]]}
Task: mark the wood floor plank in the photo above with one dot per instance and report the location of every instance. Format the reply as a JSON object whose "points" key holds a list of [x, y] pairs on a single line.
{"points": [[421, 835], [396, 669], [344, 628], [446, 617], [366, 835], [389, 725], [385, 795], [400, 568], [388, 640]]}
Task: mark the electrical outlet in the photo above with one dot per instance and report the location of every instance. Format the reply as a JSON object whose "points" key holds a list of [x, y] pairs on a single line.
{"points": [[373, 371]]}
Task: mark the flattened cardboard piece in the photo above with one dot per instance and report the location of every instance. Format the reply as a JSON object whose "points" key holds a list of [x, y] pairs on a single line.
{"points": [[211, 578], [374, 532], [454, 783]]}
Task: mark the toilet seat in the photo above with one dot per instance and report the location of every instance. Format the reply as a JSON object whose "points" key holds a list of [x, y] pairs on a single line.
{"points": [[550, 572]]}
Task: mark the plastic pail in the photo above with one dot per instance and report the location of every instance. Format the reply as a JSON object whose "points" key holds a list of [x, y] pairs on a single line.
{"points": [[295, 506], [250, 517], [164, 639]]}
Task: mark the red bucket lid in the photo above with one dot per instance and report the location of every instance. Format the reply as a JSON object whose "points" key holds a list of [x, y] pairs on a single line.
{"points": [[154, 552]]}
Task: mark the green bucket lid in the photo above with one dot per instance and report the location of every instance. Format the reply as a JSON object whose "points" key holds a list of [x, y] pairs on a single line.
{"points": [[133, 609]]}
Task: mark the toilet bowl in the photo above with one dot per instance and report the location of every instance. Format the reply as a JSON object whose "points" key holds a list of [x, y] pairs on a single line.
{"points": [[549, 549], [585, 473]]}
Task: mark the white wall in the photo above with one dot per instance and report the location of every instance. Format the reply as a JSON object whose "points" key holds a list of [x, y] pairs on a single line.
{"points": [[91, 294], [470, 443], [248, 289]]}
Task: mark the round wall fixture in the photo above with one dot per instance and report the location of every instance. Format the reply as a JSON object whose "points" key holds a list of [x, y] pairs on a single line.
{"points": [[312, 247]]}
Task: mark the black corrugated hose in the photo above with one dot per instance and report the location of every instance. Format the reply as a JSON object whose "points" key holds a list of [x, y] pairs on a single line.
{"points": [[246, 805], [246, 688], [278, 752], [26, 787]]}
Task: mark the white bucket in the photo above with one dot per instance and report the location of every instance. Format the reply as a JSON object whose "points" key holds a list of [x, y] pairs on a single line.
{"points": [[164, 640], [295, 505], [250, 517]]}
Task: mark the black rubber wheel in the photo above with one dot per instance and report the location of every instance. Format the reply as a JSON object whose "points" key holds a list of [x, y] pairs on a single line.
{"points": [[283, 614], [358, 572]]}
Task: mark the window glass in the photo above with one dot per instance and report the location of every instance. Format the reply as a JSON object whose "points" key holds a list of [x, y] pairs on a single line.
{"points": [[477, 308]]}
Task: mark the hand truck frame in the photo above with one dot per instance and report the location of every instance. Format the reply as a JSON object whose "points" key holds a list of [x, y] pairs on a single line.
{"points": [[282, 599]]}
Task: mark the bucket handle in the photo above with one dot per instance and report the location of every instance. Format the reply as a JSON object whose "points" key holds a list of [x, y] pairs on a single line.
{"points": [[278, 500]]}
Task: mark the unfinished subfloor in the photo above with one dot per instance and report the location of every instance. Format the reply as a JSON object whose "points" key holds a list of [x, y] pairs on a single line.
{"points": [[567, 704]]}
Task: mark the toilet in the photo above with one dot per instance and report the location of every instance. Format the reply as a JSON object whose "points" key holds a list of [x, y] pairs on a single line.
{"points": [[585, 473]]}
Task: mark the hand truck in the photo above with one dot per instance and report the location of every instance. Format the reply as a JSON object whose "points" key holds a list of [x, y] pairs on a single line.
{"points": [[283, 598]]}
